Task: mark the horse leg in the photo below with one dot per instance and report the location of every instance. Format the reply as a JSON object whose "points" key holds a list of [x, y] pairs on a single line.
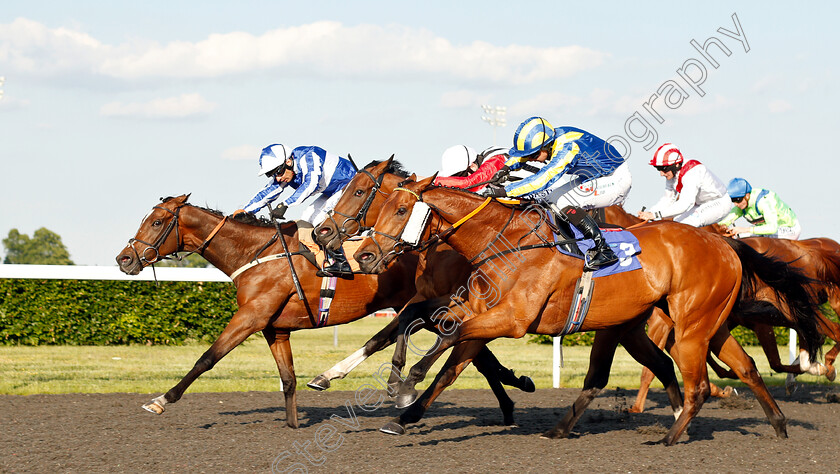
{"points": [[732, 354], [281, 349], [645, 352], [659, 326], [242, 324], [461, 355], [690, 357], [382, 339], [600, 361], [497, 374], [410, 321]]}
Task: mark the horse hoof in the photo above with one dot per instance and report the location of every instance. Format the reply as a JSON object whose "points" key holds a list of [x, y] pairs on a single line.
{"points": [[831, 374], [392, 428], [319, 383], [405, 400], [527, 384], [727, 392], [551, 435], [154, 407]]}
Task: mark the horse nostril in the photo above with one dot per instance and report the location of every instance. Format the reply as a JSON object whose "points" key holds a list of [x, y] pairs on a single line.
{"points": [[366, 257], [324, 231], [125, 259]]}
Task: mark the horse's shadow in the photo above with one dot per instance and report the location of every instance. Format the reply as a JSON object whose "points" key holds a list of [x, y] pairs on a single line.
{"points": [[655, 421]]}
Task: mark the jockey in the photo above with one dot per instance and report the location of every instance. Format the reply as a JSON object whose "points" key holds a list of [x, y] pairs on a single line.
{"points": [[462, 167], [693, 195], [763, 208], [596, 176], [310, 171]]}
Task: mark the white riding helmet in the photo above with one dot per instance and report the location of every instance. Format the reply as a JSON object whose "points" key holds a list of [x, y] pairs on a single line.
{"points": [[271, 157], [456, 159]]}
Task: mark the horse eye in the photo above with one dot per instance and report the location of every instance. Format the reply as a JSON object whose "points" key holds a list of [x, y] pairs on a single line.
{"points": [[359, 192], [401, 211], [157, 222]]}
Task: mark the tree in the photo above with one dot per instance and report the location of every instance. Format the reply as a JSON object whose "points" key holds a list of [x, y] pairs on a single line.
{"points": [[44, 248]]}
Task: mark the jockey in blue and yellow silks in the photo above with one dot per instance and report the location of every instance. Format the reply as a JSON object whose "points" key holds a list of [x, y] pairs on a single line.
{"points": [[593, 169]]}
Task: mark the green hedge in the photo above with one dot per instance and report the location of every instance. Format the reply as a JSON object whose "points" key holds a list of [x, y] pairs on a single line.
{"points": [[77, 312]]}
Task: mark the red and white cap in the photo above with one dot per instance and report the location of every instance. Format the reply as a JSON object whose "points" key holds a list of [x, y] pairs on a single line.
{"points": [[666, 155]]}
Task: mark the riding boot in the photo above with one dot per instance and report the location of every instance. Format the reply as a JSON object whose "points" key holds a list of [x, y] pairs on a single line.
{"points": [[338, 263], [603, 254]]}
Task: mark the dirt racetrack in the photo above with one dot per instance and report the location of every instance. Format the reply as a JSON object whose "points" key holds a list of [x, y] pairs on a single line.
{"points": [[225, 432]]}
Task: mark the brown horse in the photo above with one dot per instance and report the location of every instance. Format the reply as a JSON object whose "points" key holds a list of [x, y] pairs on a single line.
{"points": [[440, 272], [818, 259], [265, 293], [528, 288]]}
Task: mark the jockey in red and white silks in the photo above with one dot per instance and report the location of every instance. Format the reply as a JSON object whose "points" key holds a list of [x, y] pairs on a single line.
{"points": [[693, 194]]}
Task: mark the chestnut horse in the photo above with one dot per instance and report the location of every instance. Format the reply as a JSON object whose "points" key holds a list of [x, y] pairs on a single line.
{"points": [[818, 259], [440, 273], [694, 275], [265, 293]]}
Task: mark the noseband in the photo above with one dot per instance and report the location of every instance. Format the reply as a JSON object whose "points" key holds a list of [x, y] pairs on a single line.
{"points": [[360, 216], [155, 247]]}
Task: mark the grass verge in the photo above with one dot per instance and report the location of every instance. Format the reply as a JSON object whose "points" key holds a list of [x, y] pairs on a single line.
{"points": [[26, 370]]}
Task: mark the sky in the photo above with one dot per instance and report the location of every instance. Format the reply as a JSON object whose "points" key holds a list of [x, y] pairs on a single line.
{"points": [[108, 106]]}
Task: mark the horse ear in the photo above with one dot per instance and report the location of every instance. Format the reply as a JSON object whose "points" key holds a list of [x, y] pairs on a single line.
{"points": [[413, 177], [428, 181]]}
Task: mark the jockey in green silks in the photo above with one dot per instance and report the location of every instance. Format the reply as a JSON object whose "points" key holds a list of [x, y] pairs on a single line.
{"points": [[763, 208]]}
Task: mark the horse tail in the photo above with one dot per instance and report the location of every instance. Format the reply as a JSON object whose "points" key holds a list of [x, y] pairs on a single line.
{"points": [[790, 286]]}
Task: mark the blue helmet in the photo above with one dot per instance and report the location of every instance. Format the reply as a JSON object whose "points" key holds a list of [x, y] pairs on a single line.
{"points": [[738, 188], [532, 135]]}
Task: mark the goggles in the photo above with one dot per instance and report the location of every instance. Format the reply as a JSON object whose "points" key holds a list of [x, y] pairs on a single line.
{"points": [[736, 200]]}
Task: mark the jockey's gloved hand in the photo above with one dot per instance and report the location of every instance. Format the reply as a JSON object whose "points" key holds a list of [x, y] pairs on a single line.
{"points": [[279, 211], [502, 175], [494, 190]]}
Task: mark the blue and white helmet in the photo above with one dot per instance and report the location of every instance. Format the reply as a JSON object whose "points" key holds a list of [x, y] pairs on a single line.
{"points": [[272, 157]]}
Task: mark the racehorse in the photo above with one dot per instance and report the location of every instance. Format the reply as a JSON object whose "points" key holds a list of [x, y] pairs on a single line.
{"points": [[265, 293], [693, 275], [818, 259], [440, 272]]}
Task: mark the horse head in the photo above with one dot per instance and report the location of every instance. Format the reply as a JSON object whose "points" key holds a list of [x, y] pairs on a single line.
{"points": [[395, 216], [358, 207], [155, 239]]}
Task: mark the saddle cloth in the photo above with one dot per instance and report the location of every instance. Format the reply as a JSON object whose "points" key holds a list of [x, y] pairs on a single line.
{"points": [[349, 246], [622, 242]]}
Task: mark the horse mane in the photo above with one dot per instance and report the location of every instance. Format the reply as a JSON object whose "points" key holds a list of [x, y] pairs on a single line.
{"points": [[244, 217], [395, 167]]}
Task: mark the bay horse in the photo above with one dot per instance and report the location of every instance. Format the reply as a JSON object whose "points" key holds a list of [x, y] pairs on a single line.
{"points": [[818, 259], [695, 276], [441, 271], [265, 293]]}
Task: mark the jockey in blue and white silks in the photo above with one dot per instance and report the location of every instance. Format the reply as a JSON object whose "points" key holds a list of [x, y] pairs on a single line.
{"points": [[312, 171], [595, 176]]}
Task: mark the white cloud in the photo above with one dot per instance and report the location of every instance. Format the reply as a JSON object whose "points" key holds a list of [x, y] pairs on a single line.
{"points": [[185, 105], [322, 49], [779, 106], [242, 152]]}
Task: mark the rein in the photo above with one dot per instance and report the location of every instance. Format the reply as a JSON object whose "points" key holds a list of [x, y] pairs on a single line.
{"points": [[362, 213], [401, 246]]}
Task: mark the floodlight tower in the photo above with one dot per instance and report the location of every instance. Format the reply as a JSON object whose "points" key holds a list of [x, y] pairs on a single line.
{"points": [[495, 117]]}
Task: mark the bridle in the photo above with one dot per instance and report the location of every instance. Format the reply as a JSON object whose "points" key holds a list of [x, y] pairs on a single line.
{"points": [[155, 247], [401, 246], [362, 213], [172, 225]]}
